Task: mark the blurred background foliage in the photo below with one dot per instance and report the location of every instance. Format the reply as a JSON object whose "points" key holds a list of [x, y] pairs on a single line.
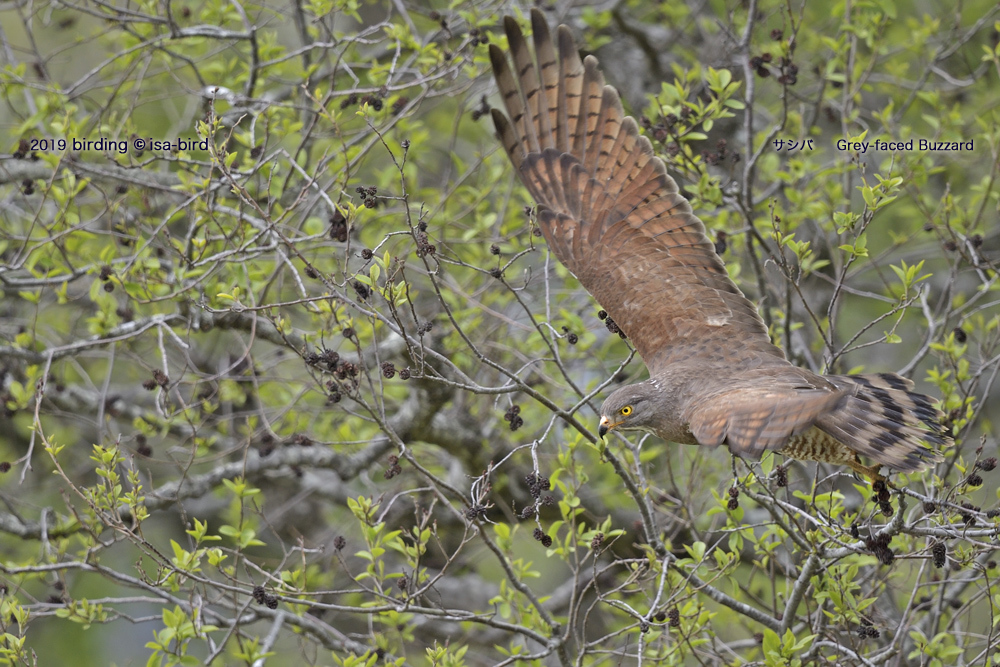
{"points": [[310, 389]]}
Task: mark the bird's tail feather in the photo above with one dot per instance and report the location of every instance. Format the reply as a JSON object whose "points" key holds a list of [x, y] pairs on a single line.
{"points": [[885, 420]]}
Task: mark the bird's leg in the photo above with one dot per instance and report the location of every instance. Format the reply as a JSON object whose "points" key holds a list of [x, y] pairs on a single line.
{"points": [[871, 473], [880, 485]]}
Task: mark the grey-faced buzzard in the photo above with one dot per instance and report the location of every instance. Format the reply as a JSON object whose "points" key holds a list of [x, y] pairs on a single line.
{"points": [[613, 216]]}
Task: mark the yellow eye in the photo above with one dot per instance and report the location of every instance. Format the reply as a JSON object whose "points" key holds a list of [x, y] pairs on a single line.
{"points": [[626, 411]]}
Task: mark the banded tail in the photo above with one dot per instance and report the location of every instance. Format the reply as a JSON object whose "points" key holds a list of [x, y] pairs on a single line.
{"points": [[883, 419]]}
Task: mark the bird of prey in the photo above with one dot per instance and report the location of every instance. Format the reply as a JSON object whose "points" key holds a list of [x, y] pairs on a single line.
{"points": [[615, 219]]}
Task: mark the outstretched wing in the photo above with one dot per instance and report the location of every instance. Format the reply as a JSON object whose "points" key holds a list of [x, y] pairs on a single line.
{"points": [[614, 217], [610, 212]]}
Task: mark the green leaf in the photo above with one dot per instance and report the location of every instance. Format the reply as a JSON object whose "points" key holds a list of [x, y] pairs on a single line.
{"points": [[229, 531], [772, 643], [696, 550]]}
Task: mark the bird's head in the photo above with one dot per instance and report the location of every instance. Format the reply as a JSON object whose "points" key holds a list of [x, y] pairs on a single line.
{"points": [[628, 407]]}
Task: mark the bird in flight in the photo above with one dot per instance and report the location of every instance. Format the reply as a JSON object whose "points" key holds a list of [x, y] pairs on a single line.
{"points": [[616, 220]]}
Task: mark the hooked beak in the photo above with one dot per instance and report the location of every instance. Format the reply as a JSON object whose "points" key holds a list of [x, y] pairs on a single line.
{"points": [[606, 426]]}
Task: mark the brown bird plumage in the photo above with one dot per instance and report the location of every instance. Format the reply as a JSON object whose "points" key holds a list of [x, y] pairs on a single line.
{"points": [[613, 216]]}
